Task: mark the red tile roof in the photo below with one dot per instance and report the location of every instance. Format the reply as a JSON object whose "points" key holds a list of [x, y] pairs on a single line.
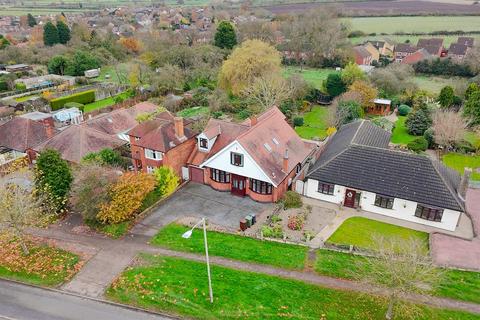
{"points": [[21, 134], [416, 57]]}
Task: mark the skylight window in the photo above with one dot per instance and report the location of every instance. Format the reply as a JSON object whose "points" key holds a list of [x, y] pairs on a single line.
{"points": [[267, 146], [275, 141], [110, 120]]}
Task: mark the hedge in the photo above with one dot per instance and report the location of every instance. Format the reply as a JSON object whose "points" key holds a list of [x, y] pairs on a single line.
{"points": [[81, 97]]}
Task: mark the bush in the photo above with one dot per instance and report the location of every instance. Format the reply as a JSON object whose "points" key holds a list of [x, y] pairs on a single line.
{"points": [[298, 121], [384, 124], [429, 135], [104, 157], [291, 199], [418, 145], [167, 180], [465, 146], [404, 110], [81, 97], [296, 222], [3, 86], [20, 86], [272, 232]]}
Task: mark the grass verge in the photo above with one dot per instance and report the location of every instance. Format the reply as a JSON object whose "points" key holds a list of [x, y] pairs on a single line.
{"points": [[233, 246], [458, 162], [104, 102], [179, 286]]}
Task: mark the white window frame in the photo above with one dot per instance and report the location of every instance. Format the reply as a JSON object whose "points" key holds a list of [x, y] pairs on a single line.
{"points": [[150, 169], [153, 155]]}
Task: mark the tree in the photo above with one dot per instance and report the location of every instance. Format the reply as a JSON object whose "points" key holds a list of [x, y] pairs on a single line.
{"points": [[126, 197], [57, 65], [63, 32], [31, 20], [472, 108], [418, 121], [53, 177], [400, 267], [348, 111], [267, 91], [393, 79], [131, 44], [449, 127], [472, 87], [253, 59], [366, 92], [81, 62], [335, 85], [446, 98], [169, 78], [50, 34], [90, 189], [225, 36], [4, 42], [167, 180], [352, 73], [105, 157]]}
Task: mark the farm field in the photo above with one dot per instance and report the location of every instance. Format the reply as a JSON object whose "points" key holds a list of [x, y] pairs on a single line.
{"points": [[434, 84]]}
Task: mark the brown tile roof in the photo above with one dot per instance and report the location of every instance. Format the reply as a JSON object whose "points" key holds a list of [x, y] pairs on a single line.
{"points": [[405, 47], [21, 134], [419, 55], [76, 141], [362, 52], [433, 46], [468, 41], [121, 120], [458, 49]]}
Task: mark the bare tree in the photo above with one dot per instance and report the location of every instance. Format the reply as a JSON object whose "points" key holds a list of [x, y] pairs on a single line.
{"points": [[449, 127], [268, 90], [401, 267]]}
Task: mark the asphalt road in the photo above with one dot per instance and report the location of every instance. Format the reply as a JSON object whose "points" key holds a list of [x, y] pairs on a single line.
{"points": [[20, 302]]}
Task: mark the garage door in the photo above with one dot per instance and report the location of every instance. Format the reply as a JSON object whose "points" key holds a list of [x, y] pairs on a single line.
{"points": [[196, 174]]}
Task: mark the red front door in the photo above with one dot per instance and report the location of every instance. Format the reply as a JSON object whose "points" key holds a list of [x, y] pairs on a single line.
{"points": [[349, 198], [238, 185]]}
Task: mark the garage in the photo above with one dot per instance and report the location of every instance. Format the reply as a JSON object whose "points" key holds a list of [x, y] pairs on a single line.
{"points": [[196, 174]]}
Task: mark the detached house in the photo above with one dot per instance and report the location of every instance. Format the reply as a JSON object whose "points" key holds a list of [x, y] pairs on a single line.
{"points": [[363, 56], [357, 170], [259, 158], [434, 46], [403, 50]]}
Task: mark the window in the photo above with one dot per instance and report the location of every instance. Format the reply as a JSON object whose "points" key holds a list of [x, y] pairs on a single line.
{"points": [[203, 143], [262, 187], [383, 202], [149, 169], [154, 155], [326, 188], [219, 176], [428, 213], [137, 138], [298, 168], [236, 159]]}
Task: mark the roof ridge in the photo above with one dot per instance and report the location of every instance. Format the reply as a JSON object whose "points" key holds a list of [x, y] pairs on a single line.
{"points": [[330, 160], [356, 131], [250, 128], [454, 194]]}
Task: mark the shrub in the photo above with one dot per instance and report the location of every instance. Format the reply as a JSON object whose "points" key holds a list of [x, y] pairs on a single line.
{"points": [[404, 110], [418, 145], [166, 179], [418, 122], [298, 121], [296, 222], [291, 199], [465, 146], [429, 135], [276, 219], [20, 86], [104, 157], [81, 97], [3, 86], [272, 232], [384, 123]]}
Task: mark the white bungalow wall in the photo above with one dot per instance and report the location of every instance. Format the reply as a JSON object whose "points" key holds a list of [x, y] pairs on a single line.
{"points": [[402, 209]]}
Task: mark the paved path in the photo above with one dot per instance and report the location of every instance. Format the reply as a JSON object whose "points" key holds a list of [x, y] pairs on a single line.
{"points": [[22, 302]]}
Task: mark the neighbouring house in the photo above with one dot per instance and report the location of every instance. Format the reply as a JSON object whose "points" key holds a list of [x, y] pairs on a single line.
{"points": [[163, 141], [42, 117], [373, 51], [458, 51], [76, 141], [384, 47], [467, 41], [403, 50], [417, 56], [46, 80], [381, 107], [260, 158], [434, 46], [18, 68], [356, 169], [362, 55]]}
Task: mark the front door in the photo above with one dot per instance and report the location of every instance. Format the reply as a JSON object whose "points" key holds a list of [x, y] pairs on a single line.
{"points": [[349, 198], [238, 185]]}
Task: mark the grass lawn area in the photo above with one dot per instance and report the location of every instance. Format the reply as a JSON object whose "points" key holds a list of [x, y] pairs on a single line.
{"points": [[44, 266], [191, 112], [472, 137], [458, 162], [400, 134], [455, 284], [103, 103], [233, 246], [315, 77], [115, 230], [314, 125], [358, 231], [180, 287], [25, 98], [435, 84]]}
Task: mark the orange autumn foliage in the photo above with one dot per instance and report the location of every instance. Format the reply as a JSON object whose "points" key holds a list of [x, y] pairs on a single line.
{"points": [[131, 44], [126, 197]]}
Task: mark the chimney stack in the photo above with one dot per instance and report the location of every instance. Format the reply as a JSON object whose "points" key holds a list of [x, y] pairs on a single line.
{"points": [[49, 129], [285, 161], [253, 120], [463, 186], [179, 129]]}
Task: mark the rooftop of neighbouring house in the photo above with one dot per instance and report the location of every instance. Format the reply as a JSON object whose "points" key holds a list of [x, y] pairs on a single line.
{"points": [[21, 134]]}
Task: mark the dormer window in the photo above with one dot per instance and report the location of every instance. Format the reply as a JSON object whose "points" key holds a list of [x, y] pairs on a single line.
{"points": [[236, 159], [203, 143]]}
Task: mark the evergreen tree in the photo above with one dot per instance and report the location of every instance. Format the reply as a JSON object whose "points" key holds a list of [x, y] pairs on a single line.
{"points": [[50, 34], [334, 84], [446, 98], [472, 107], [63, 32], [3, 42], [225, 36], [31, 20], [472, 87], [419, 120]]}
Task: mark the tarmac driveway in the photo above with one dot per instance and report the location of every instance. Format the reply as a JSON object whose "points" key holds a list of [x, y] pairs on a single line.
{"points": [[198, 200]]}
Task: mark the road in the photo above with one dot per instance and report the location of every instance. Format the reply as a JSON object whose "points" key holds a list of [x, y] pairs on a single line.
{"points": [[21, 302]]}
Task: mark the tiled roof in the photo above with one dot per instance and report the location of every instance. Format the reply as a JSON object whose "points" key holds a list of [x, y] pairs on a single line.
{"points": [[458, 49], [405, 47], [361, 51], [359, 158], [21, 134], [419, 55], [468, 41]]}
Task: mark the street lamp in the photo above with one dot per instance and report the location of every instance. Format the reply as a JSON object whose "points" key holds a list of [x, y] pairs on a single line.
{"points": [[187, 235]]}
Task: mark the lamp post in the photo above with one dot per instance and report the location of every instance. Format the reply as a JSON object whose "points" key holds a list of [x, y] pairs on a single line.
{"points": [[187, 235]]}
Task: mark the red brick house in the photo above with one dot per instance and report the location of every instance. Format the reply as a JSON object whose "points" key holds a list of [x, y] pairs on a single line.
{"points": [[434, 46], [163, 141], [259, 158], [403, 50], [417, 56], [362, 56]]}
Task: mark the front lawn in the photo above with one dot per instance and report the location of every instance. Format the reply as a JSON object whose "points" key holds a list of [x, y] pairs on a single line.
{"points": [[314, 77], [455, 284], [180, 287], [359, 231], [314, 125], [45, 265], [459, 161], [400, 134], [233, 246], [104, 102]]}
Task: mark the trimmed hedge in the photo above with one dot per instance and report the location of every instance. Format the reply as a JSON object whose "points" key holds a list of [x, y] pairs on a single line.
{"points": [[81, 97]]}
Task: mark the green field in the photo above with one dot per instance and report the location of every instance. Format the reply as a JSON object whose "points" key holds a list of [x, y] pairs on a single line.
{"points": [[233, 246], [391, 25], [447, 40], [400, 134], [434, 84], [314, 77], [459, 162], [314, 125], [180, 287]]}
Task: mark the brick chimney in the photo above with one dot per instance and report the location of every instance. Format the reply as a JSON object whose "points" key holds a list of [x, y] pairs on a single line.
{"points": [[49, 129], [463, 185], [285, 161], [253, 120], [179, 129]]}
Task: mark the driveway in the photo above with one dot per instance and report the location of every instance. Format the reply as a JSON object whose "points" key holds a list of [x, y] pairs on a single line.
{"points": [[198, 200]]}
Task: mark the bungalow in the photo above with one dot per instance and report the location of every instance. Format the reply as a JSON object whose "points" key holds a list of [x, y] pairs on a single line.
{"points": [[163, 141], [357, 170], [467, 41], [259, 158]]}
